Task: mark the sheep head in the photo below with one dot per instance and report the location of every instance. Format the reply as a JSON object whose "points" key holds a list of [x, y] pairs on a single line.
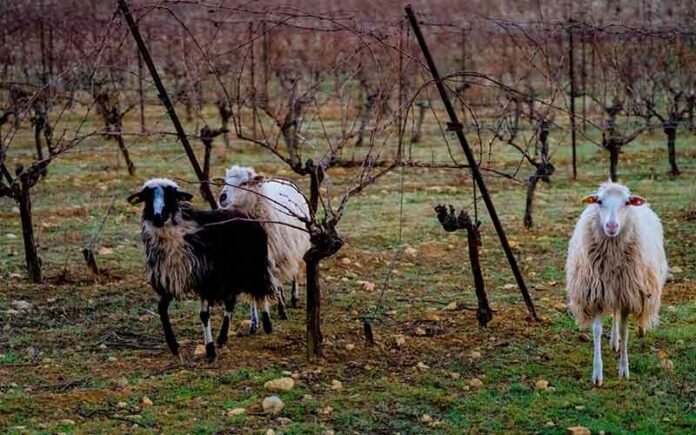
{"points": [[161, 197], [613, 202]]}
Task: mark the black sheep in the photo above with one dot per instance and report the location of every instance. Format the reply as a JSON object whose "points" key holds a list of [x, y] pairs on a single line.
{"points": [[214, 254]]}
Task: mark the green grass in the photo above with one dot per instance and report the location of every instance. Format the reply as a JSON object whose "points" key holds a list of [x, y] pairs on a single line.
{"points": [[384, 391]]}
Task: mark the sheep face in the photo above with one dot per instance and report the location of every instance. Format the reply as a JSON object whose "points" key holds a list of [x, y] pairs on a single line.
{"points": [[161, 198], [236, 177], [613, 202]]}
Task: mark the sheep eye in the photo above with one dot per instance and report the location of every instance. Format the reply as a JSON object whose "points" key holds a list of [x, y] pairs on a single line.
{"points": [[627, 203], [599, 202], [223, 197]]}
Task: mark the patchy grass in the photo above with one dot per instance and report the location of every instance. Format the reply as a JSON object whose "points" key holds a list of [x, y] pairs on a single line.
{"points": [[55, 375]]}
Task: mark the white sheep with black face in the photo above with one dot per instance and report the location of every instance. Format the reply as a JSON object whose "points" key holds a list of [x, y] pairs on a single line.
{"points": [[281, 208], [616, 265]]}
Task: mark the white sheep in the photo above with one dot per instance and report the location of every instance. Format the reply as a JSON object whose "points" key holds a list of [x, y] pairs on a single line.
{"points": [[616, 265], [280, 207]]}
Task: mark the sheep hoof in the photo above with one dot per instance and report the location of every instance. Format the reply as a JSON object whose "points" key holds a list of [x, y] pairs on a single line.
{"points": [[597, 381], [267, 326], [282, 315], [210, 352], [222, 341], [294, 303]]}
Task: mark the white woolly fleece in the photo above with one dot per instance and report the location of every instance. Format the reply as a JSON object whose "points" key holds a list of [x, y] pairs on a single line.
{"points": [[160, 182]]}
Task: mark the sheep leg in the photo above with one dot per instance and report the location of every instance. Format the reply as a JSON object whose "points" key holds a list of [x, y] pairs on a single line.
{"points": [[254, 318], [207, 334], [224, 329], [266, 317], [282, 314], [614, 340], [623, 360], [293, 294], [597, 363], [163, 309]]}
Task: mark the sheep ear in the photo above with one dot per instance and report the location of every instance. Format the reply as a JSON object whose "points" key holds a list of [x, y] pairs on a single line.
{"points": [[590, 199], [636, 200], [183, 196], [135, 198]]}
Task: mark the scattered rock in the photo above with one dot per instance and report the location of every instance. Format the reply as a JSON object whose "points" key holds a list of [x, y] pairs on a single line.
{"points": [[270, 432], [104, 251], [200, 350], [509, 286], [350, 347], [578, 430], [400, 340], [421, 332], [21, 305], [452, 306], [112, 359], [11, 235], [122, 405], [676, 269], [326, 411], [422, 366], [102, 347], [236, 412], [272, 405], [67, 422], [432, 317], [367, 286], [667, 364], [280, 384], [455, 375], [541, 384], [345, 261], [410, 251], [147, 401], [580, 408], [121, 382], [475, 383], [474, 354], [336, 385], [425, 418]]}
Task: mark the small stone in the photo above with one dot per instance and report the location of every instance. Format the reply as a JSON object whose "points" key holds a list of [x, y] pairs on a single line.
{"points": [[122, 405], [410, 251], [336, 385], [541, 384], [475, 383], [474, 354], [350, 347], [432, 317], [667, 364], [102, 347], [578, 430], [122, 381], [509, 286], [270, 432], [400, 340], [280, 384], [345, 261], [236, 412], [329, 432], [244, 325], [452, 306], [112, 359], [147, 401], [200, 350], [104, 251], [422, 366], [455, 376], [580, 408], [272, 405], [67, 422], [550, 424], [21, 305], [11, 235], [425, 418], [326, 411], [367, 286], [676, 269], [420, 331]]}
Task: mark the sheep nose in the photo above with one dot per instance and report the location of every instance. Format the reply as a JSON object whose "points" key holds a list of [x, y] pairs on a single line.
{"points": [[612, 226]]}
